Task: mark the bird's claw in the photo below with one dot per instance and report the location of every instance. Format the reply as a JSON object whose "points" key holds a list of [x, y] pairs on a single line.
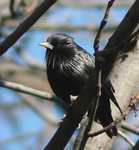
{"points": [[72, 98], [59, 123]]}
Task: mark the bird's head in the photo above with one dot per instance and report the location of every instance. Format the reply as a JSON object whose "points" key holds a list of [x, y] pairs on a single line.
{"points": [[59, 42]]}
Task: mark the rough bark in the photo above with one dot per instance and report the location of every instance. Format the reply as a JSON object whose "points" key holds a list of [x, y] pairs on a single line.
{"points": [[124, 77]]}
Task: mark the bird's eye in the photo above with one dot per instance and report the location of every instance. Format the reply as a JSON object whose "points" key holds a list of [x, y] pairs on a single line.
{"points": [[59, 45]]}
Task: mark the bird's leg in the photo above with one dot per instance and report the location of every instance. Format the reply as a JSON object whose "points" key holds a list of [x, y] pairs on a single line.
{"points": [[79, 125], [59, 123], [72, 99]]}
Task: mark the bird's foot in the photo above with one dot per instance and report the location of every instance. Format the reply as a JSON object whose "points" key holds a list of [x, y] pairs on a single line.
{"points": [[72, 99], [59, 123]]}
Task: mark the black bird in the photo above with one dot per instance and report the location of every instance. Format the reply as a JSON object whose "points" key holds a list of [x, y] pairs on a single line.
{"points": [[68, 68]]}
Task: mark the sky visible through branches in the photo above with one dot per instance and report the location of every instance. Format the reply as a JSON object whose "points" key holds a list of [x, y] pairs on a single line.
{"points": [[22, 126]]}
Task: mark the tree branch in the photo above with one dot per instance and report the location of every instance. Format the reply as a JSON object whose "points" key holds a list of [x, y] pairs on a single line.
{"points": [[11, 7], [126, 138], [84, 99], [120, 118], [92, 4], [25, 25], [98, 65], [27, 90], [130, 128], [102, 25], [117, 48], [41, 25]]}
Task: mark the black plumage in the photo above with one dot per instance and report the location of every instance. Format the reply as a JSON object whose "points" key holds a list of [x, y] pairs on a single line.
{"points": [[68, 68]]}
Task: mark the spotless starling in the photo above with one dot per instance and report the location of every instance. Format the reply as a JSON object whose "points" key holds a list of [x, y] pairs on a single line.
{"points": [[69, 67]]}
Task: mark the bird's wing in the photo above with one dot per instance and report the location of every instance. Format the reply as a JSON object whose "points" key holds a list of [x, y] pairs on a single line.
{"points": [[107, 86]]}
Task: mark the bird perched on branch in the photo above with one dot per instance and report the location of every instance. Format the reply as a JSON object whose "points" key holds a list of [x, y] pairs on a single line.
{"points": [[68, 68]]}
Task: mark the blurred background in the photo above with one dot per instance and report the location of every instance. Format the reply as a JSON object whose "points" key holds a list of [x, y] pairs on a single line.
{"points": [[28, 122]]}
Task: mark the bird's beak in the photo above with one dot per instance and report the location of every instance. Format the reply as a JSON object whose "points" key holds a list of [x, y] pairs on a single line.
{"points": [[46, 45]]}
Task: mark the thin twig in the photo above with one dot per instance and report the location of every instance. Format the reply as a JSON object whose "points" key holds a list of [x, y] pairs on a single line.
{"points": [[93, 4], [126, 138], [118, 47], [102, 25], [41, 25], [84, 99], [11, 7], [93, 107], [98, 65], [98, 91], [118, 120]]}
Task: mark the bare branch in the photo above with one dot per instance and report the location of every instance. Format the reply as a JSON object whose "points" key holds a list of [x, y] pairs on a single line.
{"points": [[84, 99], [98, 65], [121, 117], [126, 138], [41, 25], [102, 25], [94, 105], [11, 7], [117, 48], [92, 4], [130, 128], [25, 25], [27, 90]]}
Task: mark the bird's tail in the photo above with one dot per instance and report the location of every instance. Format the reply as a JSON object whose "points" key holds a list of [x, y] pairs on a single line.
{"points": [[105, 122], [103, 114]]}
